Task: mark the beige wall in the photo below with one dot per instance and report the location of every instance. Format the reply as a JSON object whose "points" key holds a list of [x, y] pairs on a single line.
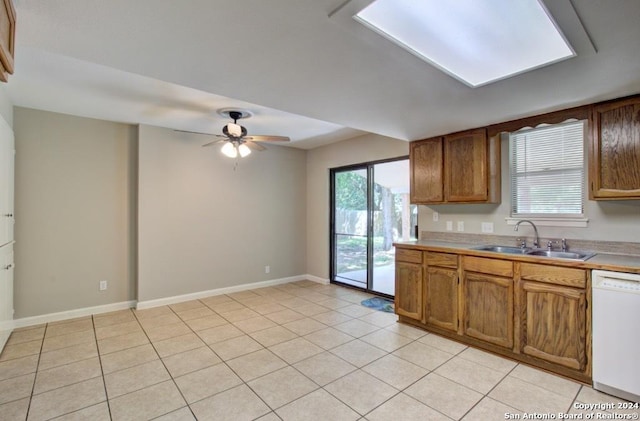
{"points": [[608, 221], [75, 212], [204, 225], [319, 161]]}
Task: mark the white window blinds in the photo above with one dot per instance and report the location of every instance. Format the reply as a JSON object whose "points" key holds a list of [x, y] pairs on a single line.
{"points": [[547, 170]]}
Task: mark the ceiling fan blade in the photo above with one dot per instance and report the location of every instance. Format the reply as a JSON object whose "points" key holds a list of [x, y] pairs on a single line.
{"points": [[187, 131], [254, 146], [262, 138], [214, 142]]}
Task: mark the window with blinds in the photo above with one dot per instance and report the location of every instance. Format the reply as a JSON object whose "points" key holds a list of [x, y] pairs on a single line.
{"points": [[547, 171]]}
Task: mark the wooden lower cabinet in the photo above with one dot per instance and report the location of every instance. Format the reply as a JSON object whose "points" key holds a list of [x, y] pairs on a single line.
{"points": [[441, 297], [533, 312], [488, 308], [553, 321], [487, 293], [408, 298]]}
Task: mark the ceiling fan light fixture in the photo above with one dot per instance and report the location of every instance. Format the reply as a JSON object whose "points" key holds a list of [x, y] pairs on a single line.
{"points": [[229, 149], [234, 129], [236, 143], [243, 150]]}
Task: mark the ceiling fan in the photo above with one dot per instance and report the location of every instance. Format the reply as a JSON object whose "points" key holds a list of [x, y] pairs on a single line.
{"points": [[235, 139]]}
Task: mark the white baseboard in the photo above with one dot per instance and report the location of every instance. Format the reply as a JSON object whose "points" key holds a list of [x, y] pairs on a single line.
{"points": [[140, 305], [219, 291], [72, 314], [317, 279], [4, 336]]}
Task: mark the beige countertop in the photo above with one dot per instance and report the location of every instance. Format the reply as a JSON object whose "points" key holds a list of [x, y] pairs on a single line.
{"points": [[602, 261]]}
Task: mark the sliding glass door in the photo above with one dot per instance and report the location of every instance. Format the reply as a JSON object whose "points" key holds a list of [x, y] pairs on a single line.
{"points": [[350, 218], [369, 211]]}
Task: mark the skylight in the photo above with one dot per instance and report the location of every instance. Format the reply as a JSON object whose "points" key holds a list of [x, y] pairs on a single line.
{"points": [[477, 42]]}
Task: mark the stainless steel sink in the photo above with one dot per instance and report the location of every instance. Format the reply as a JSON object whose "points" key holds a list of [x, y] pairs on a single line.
{"points": [[575, 255], [503, 249]]}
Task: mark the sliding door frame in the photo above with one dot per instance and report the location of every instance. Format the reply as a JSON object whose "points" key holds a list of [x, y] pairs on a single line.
{"points": [[368, 166]]}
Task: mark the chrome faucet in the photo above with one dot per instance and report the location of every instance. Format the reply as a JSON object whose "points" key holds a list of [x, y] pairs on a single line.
{"points": [[536, 240]]}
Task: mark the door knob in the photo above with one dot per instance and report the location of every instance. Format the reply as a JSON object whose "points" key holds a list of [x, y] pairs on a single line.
{"points": [[10, 215], [9, 266]]}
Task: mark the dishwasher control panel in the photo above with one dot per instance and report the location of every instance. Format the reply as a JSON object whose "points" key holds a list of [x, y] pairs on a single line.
{"points": [[617, 281], [621, 284]]}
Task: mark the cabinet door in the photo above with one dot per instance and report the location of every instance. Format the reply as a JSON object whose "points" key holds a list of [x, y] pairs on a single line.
{"points": [[427, 179], [408, 299], [488, 308], [553, 321], [466, 172], [441, 297], [614, 167]]}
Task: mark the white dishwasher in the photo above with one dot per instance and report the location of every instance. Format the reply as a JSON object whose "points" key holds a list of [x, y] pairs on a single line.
{"points": [[616, 333]]}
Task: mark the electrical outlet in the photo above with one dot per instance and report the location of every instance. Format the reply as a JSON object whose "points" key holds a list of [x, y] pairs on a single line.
{"points": [[103, 285], [487, 227], [460, 226], [436, 216], [267, 269], [449, 225]]}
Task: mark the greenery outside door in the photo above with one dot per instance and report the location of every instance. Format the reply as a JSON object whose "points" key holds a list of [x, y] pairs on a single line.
{"points": [[369, 211]]}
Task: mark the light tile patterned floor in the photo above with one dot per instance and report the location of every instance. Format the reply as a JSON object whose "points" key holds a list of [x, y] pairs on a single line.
{"points": [[299, 351]]}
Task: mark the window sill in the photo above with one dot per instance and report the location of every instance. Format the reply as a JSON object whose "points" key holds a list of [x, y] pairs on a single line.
{"points": [[552, 222]]}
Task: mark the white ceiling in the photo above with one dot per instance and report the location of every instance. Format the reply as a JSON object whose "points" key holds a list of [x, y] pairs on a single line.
{"points": [[301, 72]]}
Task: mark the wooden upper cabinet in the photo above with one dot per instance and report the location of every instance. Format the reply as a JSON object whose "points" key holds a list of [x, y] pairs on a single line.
{"points": [[614, 167], [427, 173], [7, 38], [465, 167], [457, 168]]}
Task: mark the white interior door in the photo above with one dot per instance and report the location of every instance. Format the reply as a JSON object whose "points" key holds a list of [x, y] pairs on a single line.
{"points": [[6, 293], [7, 158]]}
